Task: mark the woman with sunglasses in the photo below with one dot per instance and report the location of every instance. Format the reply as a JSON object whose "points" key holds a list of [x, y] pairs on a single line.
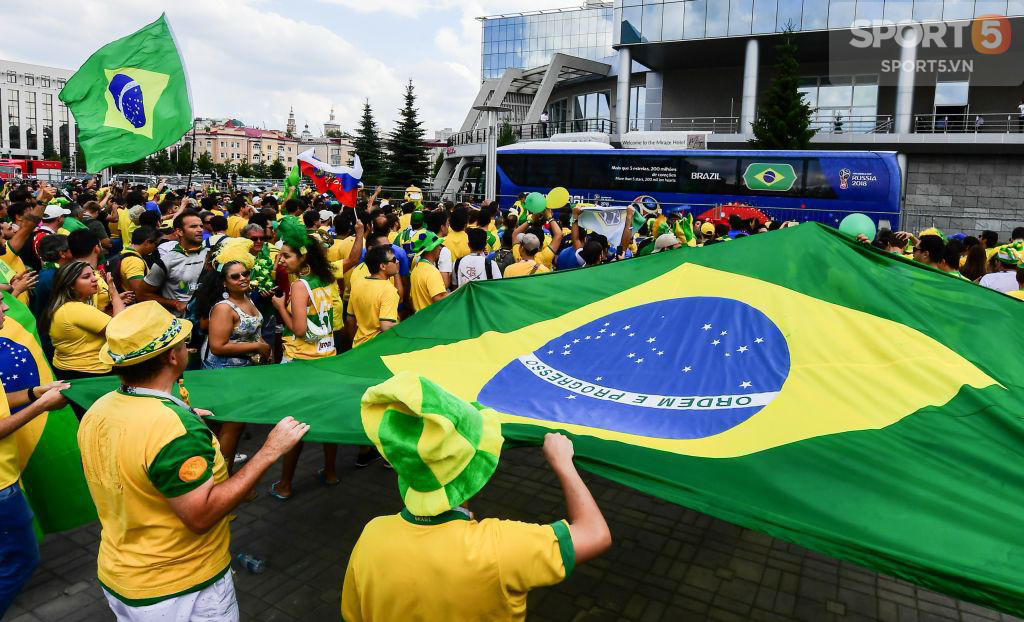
{"points": [[234, 321]]}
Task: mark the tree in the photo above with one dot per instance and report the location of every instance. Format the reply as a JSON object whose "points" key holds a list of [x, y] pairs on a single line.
{"points": [[408, 162], [367, 146], [506, 136], [784, 118], [245, 169], [259, 170], [223, 169], [276, 170], [183, 166], [438, 162], [159, 163], [205, 163]]}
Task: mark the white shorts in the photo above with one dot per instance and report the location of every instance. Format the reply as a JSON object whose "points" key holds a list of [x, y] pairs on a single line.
{"points": [[214, 603]]}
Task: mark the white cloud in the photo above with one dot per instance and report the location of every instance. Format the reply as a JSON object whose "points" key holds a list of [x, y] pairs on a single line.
{"points": [[247, 61]]}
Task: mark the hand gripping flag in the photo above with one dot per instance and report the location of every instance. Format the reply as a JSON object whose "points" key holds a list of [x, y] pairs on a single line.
{"points": [[799, 383], [341, 181], [51, 465], [130, 98]]}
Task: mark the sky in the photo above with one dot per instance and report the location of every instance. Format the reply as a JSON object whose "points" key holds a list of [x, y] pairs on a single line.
{"points": [[253, 59]]}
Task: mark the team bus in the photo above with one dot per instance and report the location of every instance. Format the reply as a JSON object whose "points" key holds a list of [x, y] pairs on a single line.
{"points": [[823, 186]]}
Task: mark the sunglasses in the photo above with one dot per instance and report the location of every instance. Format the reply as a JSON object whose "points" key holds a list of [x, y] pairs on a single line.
{"points": [[393, 260], [238, 276], [257, 238]]}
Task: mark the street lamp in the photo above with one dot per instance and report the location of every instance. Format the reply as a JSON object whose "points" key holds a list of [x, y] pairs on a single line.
{"points": [[491, 159]]}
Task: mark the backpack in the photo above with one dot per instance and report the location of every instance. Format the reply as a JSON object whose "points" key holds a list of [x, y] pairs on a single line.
{"points": [[504, 258], [113, 266], [488, 274]]}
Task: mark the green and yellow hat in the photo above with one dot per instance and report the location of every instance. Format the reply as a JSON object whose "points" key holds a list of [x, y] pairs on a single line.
{"points": [[426, 241], [141, 332], [443, 449]]}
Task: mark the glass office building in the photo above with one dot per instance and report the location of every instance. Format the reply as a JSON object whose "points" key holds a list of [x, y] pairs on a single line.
{"points": [[650, 21], [524, 41]]}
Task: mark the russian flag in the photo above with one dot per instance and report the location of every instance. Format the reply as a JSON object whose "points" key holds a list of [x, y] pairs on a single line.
{"points": [[341, 181]]}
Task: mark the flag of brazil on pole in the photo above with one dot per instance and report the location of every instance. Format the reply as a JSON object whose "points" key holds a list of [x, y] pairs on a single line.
{"points": [[799, 383], [131, 98]]}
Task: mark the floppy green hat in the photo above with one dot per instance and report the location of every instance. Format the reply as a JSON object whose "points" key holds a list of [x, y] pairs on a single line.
{"points": [[443, 448], [1010, 253], [426, 241]]}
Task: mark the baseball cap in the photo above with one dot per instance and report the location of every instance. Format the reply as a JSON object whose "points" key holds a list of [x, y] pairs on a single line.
{"points": [[708, 228], [530, 242], [664, 241], [326, 214], [54, 211]]}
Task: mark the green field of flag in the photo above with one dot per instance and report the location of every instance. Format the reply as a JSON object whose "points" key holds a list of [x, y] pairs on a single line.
{"points": [[131, 98], [798, 383]]}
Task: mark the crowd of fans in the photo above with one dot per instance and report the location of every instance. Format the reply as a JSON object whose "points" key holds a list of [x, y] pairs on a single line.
{"points": [[229, 279]]}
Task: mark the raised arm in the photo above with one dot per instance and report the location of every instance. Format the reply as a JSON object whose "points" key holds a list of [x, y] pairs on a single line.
{"points": [[590, 534]]}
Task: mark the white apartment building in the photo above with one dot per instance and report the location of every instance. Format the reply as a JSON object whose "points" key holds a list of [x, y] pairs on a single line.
{"points": [[35, 124]]}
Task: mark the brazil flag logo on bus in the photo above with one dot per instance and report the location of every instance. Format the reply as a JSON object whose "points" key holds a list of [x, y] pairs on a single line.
{"points": [[771, 177]]}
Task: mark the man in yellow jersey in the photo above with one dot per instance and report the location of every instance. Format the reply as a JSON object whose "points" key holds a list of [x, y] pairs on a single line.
{"points": [[239, 218], [159, 482], [433, 560], [456, 240], [527, 265], [426, 285], [373, 307], [18, 548], [132, 266]]}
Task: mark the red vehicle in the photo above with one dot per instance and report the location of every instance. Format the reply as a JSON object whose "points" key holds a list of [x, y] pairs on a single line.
{"points": [[44, 169], [10, 169]]}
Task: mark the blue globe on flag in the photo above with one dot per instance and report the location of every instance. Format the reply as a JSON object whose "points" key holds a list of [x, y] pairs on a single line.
{"points": [[127, 94], [684, 368]]}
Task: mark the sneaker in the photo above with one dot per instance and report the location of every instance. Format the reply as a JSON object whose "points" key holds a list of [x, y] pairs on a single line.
{"points": [[366, 458]]}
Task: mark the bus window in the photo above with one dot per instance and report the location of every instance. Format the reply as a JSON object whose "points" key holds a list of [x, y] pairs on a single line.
{"points": [[548, 171], [816, 184], [640, 174], [514, 167], [712, 175]]}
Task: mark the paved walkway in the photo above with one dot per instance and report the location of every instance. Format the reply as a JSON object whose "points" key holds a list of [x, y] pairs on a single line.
{"points": [[667, 563]]}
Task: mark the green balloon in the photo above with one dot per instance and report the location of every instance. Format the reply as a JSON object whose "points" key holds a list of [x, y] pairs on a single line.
{"points": [[857, 224], [536, 203]]}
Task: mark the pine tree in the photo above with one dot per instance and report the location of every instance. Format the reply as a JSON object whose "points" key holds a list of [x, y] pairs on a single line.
{"points": [[276, 170], [367, 145], [205, 163], [784, 118], [506, 135], [408, 162], [183, 165]]}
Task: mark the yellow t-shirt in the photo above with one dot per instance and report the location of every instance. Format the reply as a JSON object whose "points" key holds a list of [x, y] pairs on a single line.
{"points": [[16, 265], [125, 225], [524, 268], [340, 249], [405, 221], [10, 470], [477, 570], [138, 452], [355, 277], [319, 312], [101, 299], [544, 256], [458, 243], [133, 267], [77, 333], [373, 301], [235, 225], [424, 283], [1017, 293]]}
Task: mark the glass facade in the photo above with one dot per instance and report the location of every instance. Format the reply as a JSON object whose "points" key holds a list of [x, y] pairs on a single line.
{"points": [[648, 21], [527, 41], [842, 103], [13, 119]]}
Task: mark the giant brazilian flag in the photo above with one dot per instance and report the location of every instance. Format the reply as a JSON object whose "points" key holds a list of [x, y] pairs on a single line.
{"points": [[798, 383], [51, 465]]}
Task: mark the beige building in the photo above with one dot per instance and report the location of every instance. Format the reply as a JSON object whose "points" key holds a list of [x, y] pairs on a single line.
{"points": [[33, 121]]}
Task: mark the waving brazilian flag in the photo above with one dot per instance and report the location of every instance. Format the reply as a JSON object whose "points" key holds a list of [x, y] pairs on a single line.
{"points": [[130, 98], [799, 383], [51, 465]]}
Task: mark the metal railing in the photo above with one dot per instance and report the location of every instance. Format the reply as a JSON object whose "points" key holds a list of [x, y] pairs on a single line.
{"points": [[865, 124], [969, 123], [536, 131], [715, 125]]}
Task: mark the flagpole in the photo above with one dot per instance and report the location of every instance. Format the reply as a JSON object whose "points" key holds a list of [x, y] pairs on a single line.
{"points": [[192, 154]]}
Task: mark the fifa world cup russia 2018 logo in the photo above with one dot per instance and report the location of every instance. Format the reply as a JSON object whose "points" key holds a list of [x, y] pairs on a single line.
{"points": [[844, 179]]}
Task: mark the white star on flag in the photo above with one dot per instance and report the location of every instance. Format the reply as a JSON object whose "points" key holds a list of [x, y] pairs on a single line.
{"points": [[570, 397], [706, 327], [727, 354], [651, 340], [687, 369], [587, 337], [602, 331], [626, 327], [759, 340], [631, 355], [612, 334], [551, 351], [745, 384], [575, 340], [639, 360], [631, 334], [660, 352], [742, 349], [599, 379], [566, 352], [715, 342], [724, 333]]}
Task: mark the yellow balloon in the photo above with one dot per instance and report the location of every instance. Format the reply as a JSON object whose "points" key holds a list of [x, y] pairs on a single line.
{"points": [[558, 198]]}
